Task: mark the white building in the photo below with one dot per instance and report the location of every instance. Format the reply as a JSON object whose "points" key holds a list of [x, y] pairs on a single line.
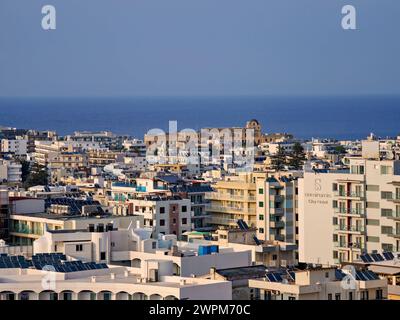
{"points": [[153, 281], [18, 146], [10, 171]]}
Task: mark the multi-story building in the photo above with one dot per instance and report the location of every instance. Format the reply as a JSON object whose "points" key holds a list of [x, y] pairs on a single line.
{"points": [[163, 214], [29, 217], [196, 192], [100, 158], [76, 280], [233, 198], [320, 284], [10, 171], [343, 213], [276, 198], [17, 146], [4, 214]]}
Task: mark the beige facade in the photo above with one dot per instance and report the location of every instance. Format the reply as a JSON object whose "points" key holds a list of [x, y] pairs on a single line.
{"points": [[342, 214], [234, 198]]}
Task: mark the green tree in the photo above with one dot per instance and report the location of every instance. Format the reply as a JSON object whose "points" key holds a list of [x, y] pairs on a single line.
{"points": [[278, 160], [340, 149], [37, 176], [297, 157]]}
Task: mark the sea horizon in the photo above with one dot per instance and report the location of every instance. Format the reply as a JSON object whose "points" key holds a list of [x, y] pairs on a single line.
{"points": [[338, 117]]}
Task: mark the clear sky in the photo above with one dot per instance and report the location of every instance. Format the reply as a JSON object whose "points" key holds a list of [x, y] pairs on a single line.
{"points": [[199, 47]]}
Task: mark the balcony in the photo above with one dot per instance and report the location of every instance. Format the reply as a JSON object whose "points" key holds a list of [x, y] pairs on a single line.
{"points": [[352, 212], [226, 209], [279, 212], [277, 224], [276, 198], [350, 229], [223, 221], [228, 197], [277, 237], [348, 246], [350, 195]]}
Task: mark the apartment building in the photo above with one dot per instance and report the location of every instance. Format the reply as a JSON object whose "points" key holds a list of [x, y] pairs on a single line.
{"points": [[233, 198], [76, 280], [196, 192], [343, 213], [277, 214], [273, 254], [163, 214], [10, 171], [30, 217], [4, 213], [134, 247], [320, 284], [101, 158], [17, 146]]}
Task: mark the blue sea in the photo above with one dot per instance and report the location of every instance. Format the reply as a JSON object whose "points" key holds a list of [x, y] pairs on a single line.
{"points": [[345, 117]]}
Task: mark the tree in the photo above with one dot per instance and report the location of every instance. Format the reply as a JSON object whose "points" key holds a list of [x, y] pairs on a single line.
{"points": [[340, 149], [37, 176], [297, 157], [278, 160]]}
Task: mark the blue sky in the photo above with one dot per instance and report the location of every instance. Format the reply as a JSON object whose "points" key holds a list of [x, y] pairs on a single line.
{"points": [[199, 47]]}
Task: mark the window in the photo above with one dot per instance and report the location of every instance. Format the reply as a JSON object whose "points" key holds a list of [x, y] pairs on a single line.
{"points": [[329, 296], [162, 222], [79, 248], [184, 208], [261, 230], [184, 220], [386, 195], [364, 295], [154, 245], [274, 257], [337, 296], [350, 295], [162, 209], [261, 204], [261, 217], [334, 187], [386, 170], [379, 294], [102, 255], [261, 191], [386, 212]]}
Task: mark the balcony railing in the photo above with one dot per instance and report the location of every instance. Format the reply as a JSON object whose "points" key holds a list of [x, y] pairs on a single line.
{"points": [[277, 224], [228, 209], [229, 197], [350, 194], [350, 228], [345, 245], [359, 212]]}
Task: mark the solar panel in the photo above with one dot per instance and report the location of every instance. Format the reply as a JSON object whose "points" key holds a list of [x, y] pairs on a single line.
{"points": [[241, 225], [292, 275], [271, 277], [372, 275], [361, 276], [380, 257], [364, 259], [278, 277], [339, 274], [258, 242], [388, 255], [375, 257]]}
